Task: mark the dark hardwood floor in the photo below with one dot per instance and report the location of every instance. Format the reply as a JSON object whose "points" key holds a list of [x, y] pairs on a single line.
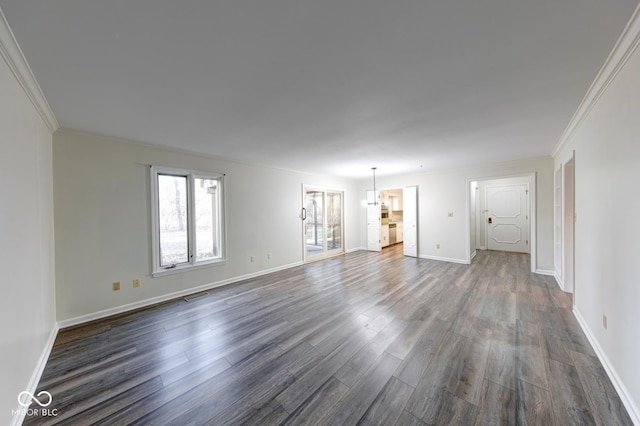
{"points": [[365, 338]]}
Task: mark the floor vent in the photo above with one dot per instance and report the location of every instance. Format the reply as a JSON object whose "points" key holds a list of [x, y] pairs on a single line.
{"points": [[193, 297]]}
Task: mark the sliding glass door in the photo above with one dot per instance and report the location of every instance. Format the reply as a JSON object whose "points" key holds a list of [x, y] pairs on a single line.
{"points": [[322, 218], [314, 222]]}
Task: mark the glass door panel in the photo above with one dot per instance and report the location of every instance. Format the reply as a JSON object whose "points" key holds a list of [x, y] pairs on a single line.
{"points": [[314, 228], [334, 220], [323, 220]]}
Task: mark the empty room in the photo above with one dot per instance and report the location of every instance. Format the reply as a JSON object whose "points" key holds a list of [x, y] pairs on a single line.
{"points": [[318, 212]]}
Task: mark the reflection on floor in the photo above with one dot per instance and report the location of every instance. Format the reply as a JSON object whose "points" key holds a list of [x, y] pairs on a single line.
{"points": [[369, 338]]}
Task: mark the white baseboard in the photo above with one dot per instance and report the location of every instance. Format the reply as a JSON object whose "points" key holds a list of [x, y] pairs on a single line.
{"points": [[482, 248], [443, 259], [32, 386], [165, 297], [474, 254], [559, 280], [351, 250], [545, 272], [628, 402]]}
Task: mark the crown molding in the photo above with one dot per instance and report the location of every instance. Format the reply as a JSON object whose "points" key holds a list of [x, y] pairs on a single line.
{"points": [[17, 63], [622, 51]]}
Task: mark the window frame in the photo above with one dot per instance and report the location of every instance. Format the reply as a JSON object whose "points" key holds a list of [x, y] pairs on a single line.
{"points": [[192, 262]]}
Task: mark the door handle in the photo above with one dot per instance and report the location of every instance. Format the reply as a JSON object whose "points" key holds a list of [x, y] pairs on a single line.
{"points": [[304, 214], [490, 220]]}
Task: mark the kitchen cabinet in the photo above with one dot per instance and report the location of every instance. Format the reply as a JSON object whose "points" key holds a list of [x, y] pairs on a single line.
{"points": [[384, 235], [395, 202], [399, 233]]}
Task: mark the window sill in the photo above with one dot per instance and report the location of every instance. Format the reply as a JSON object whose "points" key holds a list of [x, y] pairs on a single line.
{"points": [[186, 268]]}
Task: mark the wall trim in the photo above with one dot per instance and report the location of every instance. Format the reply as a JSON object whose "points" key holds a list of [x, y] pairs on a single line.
{"points": [[622, 51], [17, 63], [351, 250], [443, 259], [629, 404], [475, 252], [545, 272], [169, 296], [32, 386], [556, 275]]}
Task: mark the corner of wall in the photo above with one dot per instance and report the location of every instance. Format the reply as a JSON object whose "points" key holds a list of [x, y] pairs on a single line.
{"points": [[18, 418], [27, 129], [559, 281], [622, 51], [16, 61]]}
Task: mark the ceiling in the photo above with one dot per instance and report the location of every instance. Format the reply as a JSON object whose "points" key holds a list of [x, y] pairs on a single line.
{"points": [[327, 86]]}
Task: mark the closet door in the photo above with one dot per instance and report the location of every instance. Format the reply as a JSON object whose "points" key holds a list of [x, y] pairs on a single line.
{"points": [[410, 219]]}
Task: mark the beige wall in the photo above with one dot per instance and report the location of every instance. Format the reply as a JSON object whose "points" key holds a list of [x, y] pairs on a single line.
{"points": [[27, 305], [103, 230]]}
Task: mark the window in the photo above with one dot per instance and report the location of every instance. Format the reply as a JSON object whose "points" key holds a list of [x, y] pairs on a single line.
{"points": [[187, 219]]}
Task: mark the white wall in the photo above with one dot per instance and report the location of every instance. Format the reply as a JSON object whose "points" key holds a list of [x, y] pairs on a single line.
{"points": [[607, 247], [27, 305], [446, 191], [103, 231]]}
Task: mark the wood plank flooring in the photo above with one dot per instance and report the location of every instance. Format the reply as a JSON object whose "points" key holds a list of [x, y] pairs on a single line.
{"points": [[365, 338]]}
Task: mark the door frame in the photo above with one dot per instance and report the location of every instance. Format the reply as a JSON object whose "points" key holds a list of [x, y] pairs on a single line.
{"points": [[325, 254], [568, 225], [377, 198], [532, 213]]}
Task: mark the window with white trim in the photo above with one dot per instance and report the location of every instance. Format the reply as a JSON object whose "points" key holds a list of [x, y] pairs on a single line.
{"points": [[187, 219]]}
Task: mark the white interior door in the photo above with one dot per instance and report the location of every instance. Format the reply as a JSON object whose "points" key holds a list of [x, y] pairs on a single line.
{"points": [[410, 219], [508, 218], [373, 227]]}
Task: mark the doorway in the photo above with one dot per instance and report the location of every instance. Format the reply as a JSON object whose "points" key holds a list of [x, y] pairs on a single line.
{"points": [[392, 219], [501, 216], [568, 226], [322, 223]]}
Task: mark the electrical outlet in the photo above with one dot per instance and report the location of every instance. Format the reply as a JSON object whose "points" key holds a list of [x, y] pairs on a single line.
{"points": [[116, 286], [136, 283], [604, 321], [268, 256], [450, 214], [437, 246], [252, 258]]}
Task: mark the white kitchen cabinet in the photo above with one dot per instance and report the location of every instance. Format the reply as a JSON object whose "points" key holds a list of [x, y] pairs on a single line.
{"points": [[399, 233], [395, 202], [385, 235]]}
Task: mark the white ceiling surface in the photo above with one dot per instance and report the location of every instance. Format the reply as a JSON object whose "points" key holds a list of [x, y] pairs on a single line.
{"points": [[329, 86]]}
